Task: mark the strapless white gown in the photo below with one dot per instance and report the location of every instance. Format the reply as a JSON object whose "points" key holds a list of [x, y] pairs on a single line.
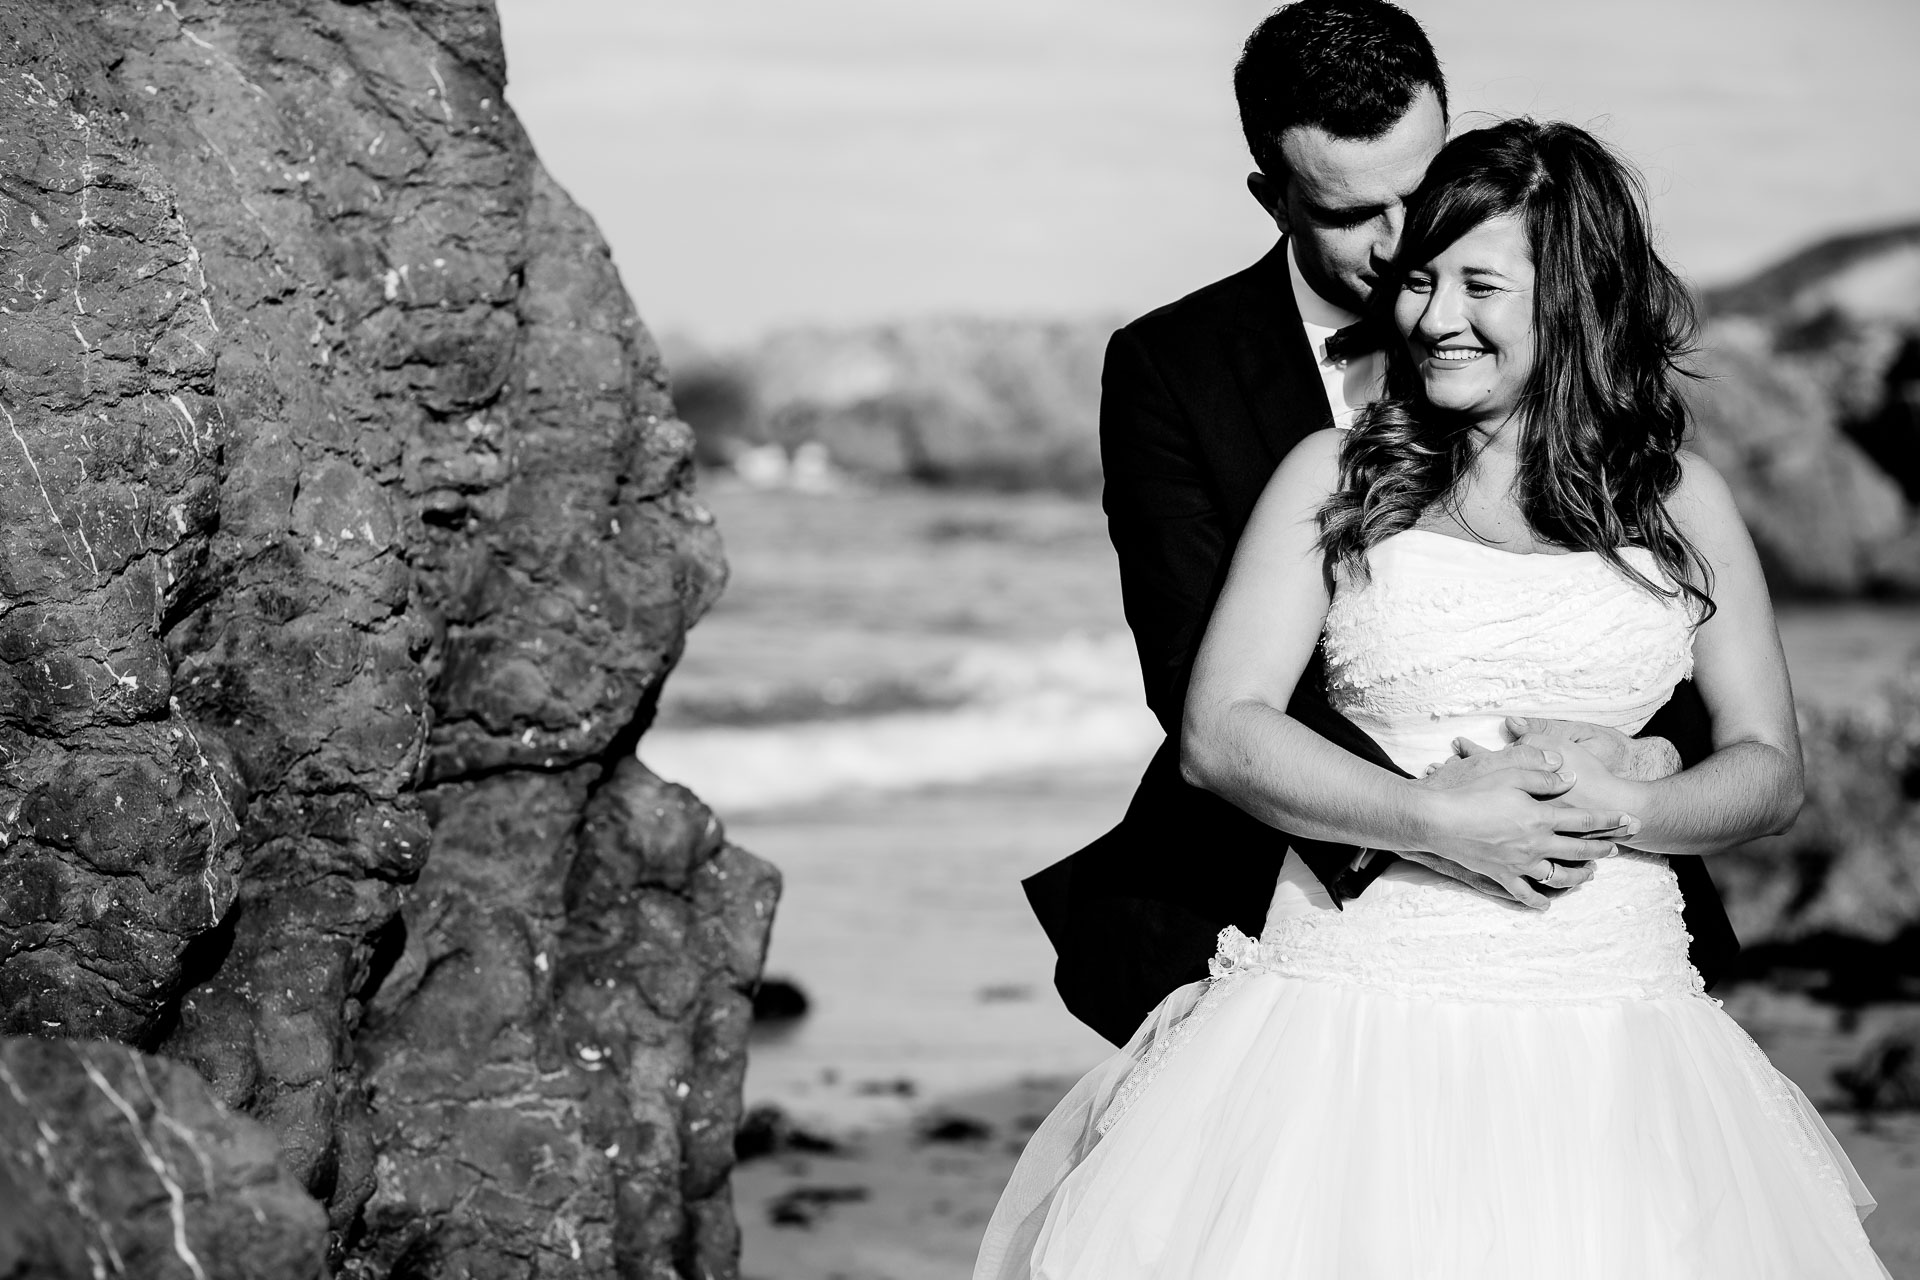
{"points": [[1429, 1084]]}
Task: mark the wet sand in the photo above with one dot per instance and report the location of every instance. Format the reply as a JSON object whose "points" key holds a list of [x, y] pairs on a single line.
{"points": [[904, 922], [928, 977], [901, 1207]]}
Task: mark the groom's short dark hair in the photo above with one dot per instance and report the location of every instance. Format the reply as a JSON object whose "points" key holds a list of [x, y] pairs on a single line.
{"points": [[1351, 67]]}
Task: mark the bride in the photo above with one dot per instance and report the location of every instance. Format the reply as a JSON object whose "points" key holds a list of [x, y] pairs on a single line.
{"points": [[1432, 1082]]}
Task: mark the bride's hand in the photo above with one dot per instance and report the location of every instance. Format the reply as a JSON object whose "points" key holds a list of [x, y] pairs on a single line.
{"points": [[1520, 828], [1600, 781]]}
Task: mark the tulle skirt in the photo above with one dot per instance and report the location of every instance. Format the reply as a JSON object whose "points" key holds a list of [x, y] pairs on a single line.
{"points": [[1284, 1128]]}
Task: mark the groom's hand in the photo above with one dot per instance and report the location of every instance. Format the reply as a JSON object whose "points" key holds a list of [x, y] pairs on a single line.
{"points": [[1454, 871], [1637, 759], [1472, 761]]}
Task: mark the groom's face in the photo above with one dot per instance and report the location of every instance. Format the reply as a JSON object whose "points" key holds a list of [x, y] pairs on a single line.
{"points": [[1344, 199]]}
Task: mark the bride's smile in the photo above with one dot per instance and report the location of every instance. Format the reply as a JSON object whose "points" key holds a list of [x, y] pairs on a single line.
{"points": [[1467, 317]]}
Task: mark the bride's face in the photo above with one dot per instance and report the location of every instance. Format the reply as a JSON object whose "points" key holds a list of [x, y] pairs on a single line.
{"points": [[1467, 317]]}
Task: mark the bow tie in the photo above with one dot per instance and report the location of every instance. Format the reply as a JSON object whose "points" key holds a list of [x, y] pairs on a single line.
{"points": [[1357, 339]]}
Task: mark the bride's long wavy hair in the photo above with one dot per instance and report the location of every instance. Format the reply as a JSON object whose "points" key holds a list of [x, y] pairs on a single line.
{"points": [[1601, 417]]}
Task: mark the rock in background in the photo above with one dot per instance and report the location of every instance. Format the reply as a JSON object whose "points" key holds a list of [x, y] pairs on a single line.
{"points": [[1833, 905], [967, 403], [349, 520], [1812, 411], [1810, 406]]}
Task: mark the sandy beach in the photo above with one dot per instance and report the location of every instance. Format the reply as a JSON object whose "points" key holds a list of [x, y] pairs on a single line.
{"points": [[901, 1204], [936, 1042]]}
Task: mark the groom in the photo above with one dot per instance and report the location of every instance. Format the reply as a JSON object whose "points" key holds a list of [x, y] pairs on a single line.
{"points": [[1343, 106]]}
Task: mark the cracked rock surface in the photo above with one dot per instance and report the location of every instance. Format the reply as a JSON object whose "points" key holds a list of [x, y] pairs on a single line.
{"points": [[346, 537], [116, 1163]]}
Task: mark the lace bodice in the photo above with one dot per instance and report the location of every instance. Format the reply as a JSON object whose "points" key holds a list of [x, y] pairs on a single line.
{"points": [[1444, 640], [1448, 637]]}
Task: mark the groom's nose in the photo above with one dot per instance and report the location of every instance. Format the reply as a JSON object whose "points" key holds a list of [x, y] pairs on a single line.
{"points": [[1386, 241]]}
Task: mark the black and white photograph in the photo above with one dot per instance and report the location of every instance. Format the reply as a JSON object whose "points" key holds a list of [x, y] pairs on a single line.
{"points": [[917, 640]]}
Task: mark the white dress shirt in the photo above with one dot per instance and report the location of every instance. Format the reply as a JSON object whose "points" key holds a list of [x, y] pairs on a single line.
{"points": [[1352, 383]]}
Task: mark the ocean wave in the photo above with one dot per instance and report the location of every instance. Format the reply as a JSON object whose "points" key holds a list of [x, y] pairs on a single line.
{"points": [[1070, 704]]}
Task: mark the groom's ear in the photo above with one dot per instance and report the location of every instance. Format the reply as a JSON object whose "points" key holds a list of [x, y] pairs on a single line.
{"points": [[1271, 193]]}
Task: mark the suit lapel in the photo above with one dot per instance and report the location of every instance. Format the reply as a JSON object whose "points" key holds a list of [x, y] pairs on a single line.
{"points": [[1276, 371]]}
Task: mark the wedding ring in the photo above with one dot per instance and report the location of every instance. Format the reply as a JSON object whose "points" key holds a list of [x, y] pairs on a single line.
{"points": [[1549, 880]]}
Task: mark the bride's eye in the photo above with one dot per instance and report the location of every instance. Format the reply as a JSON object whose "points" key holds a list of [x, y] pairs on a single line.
{"points": [[1480, 289], [1416, 284]]}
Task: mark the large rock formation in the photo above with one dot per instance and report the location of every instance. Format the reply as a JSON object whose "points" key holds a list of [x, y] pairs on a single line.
{"points": [[1810, 404], [348, 538]]}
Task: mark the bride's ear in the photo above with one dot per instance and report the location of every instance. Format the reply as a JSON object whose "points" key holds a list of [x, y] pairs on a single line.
{"points": [[1271, 194]]}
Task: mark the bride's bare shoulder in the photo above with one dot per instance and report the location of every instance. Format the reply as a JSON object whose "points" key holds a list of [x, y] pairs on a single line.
{"points": [[1702, 500], [1314, 463], [1703, 507], [1322, 448], [1302, 481]]}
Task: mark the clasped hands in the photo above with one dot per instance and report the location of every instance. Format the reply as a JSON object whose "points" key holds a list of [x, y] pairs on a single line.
{"points": [[1532, 817]]}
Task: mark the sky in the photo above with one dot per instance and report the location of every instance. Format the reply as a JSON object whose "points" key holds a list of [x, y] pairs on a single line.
{"points": [[763, 163]]}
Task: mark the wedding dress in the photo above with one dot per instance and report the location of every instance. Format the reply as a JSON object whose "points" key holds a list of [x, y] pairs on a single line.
{"points": [[1430, 1083]]}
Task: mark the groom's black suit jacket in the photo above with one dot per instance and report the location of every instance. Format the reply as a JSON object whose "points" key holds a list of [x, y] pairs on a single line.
{"points": [[1199, 402]]}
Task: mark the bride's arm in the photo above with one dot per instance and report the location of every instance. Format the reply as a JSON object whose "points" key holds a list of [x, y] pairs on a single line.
{"points": [[1238, 741], [1752, 784]]}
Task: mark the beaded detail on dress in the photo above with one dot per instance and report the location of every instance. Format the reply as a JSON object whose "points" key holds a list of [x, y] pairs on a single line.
{"points": [[1446, 637], [1443, 640]]}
